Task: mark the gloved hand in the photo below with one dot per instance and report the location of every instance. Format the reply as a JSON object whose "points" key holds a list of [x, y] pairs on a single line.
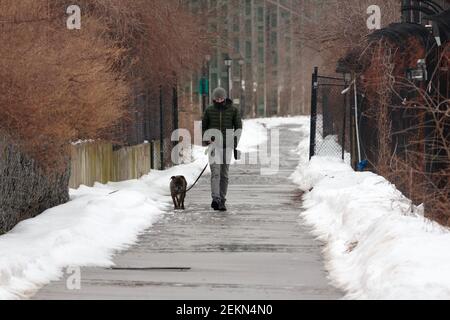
{"points": [[207, 143], [237, 154]]}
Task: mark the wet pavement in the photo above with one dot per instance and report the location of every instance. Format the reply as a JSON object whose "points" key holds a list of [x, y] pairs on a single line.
{"points": [[259, 249]]}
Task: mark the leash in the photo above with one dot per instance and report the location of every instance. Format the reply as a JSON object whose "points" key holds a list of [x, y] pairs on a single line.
{"points": [[190, 188], [201, 174]]}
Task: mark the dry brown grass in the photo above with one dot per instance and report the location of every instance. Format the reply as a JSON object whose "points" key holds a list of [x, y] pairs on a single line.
{"points": [[60, 85], [161, 37], [57, 85]]}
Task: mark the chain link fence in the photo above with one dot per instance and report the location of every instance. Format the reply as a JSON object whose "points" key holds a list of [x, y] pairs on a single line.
{"points": [[330, 119], [153, 119]]}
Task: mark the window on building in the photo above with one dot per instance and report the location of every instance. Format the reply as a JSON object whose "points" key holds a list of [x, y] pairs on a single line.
{"points": [[274, 20], [236, 24], [248, 7], [248, 49], [248, 27], [261, 54], [260, 14], [236, 45], [273, 39], [260, 37]]}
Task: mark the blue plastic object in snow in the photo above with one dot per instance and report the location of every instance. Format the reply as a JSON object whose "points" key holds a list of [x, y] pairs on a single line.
{"points": [[362, 165]]}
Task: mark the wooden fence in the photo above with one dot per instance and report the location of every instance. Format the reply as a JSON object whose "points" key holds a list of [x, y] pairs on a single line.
{"points": [[97, 162]]}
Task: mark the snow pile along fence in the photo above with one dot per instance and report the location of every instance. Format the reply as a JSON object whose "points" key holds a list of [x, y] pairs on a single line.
{"points": [[378, 244], [402, 123]]}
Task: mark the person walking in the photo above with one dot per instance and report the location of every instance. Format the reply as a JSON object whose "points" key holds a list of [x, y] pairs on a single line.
{"points": [[222, 129]]}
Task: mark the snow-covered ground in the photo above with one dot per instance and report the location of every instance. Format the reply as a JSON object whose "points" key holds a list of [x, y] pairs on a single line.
{"points": [[86, 231], [97, 223], [378, 245]]}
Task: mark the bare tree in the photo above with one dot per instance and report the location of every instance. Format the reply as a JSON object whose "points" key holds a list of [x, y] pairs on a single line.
{"points": [[334, 27]]}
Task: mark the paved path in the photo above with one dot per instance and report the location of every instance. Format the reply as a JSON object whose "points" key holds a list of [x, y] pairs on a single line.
{"points": [[257, 250]]}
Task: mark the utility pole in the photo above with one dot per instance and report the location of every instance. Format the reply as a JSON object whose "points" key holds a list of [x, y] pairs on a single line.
{"points": [[255, 99], [314, 88], [175, 109], [175, 117]]}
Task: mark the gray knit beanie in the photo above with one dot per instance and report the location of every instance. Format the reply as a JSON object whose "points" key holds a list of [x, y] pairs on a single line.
{"points": [[219, 93]]}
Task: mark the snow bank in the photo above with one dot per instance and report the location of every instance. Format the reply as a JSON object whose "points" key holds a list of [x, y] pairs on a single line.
{"points": [[255, 131], [253, 135], [378, 245], [274, 122], [87, 231]]}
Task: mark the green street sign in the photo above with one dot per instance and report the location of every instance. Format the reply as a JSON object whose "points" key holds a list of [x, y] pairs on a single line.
{"points": [[204, 86]]}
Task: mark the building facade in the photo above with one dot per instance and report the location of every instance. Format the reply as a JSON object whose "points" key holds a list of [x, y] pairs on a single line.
{"points": [[258, 36]]}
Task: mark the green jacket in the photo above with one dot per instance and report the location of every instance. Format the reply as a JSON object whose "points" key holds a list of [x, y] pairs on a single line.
{"points": [[222, 118]]}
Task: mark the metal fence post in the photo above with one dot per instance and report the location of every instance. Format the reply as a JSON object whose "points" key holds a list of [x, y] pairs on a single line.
{"points": [[352, 132], [314, 88], [161, 126], [175, 118], [344, 126], [152, 154], [175, 108]]}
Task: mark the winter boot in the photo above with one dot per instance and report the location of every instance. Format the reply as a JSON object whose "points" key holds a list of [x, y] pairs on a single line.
{"points": [[222, 206], [215, 205]]}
